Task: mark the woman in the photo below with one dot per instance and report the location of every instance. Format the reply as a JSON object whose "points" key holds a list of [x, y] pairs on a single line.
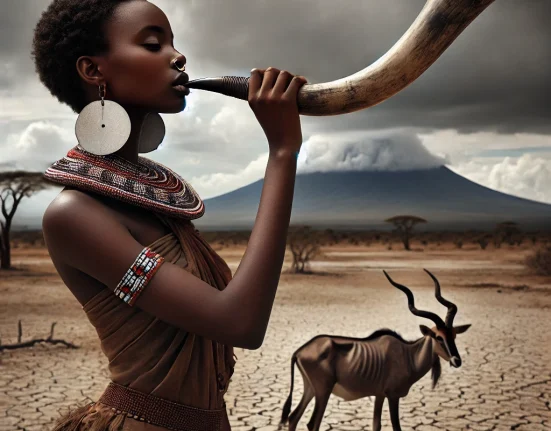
{"points": [[120, 233]]}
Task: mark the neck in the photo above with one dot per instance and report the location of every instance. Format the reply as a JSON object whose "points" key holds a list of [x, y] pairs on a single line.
{"points": [[421, 357], [130, 151]]}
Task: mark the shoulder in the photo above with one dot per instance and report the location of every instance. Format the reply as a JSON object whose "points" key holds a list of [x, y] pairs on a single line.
{"points": [[74, 215], [82, 232], [68, 207]]}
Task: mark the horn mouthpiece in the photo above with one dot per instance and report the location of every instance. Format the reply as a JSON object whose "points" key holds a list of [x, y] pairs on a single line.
{"points": [[234, 86]]}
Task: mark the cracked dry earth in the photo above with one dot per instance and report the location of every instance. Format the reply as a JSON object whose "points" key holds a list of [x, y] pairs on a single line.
{"points": [[504, 383]]}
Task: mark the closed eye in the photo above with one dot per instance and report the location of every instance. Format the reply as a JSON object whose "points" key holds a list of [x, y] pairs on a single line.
{"points": [[152, 46]]}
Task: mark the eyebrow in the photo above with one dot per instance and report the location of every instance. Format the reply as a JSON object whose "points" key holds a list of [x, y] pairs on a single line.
{"points": [[156, 29]]}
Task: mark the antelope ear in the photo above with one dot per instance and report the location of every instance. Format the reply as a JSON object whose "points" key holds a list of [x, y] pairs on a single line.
{"points": [[425, 330], [461, 329]]}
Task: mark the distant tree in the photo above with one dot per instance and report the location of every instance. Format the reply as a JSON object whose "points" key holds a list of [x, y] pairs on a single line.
{"points": [[482, 241], [404, 227], [540, 261], [14, 186], [304, 244], [331, 236], [509, 232]]}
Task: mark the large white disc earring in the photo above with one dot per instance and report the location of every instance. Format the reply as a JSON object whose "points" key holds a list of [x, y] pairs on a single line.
{"points": [[103, 126], [152, 133]]}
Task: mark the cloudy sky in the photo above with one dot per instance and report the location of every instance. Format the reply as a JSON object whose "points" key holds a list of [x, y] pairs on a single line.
{"points": [[483, 108]]}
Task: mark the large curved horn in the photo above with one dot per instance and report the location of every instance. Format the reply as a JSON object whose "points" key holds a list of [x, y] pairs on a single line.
{"points": [[437, 26], [411, 304], [452, 308]]}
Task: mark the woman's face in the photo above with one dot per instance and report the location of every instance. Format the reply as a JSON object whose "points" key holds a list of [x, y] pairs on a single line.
{"points": [[137, 68]]}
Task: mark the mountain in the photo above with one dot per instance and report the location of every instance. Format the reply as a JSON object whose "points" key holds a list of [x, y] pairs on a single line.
{"points": [[363, 200]]}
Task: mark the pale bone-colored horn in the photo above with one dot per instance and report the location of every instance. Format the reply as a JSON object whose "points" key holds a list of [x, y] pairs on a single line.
{"points": [[437, 26]]}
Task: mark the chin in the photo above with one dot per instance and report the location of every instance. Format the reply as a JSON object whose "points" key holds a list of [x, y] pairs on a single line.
{"points": [[173, 109]]}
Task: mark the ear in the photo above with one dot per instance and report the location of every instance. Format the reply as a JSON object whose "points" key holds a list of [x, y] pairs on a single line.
{"points": [[461, 329], [425, 330], [89, 71]]}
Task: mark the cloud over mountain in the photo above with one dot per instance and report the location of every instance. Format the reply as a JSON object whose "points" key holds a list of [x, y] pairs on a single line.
{"points": [[367, 151]]}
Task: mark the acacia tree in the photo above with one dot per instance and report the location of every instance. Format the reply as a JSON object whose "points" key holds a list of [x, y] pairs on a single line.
{"points": [[404, 227], [304, 244], [14, 186]]}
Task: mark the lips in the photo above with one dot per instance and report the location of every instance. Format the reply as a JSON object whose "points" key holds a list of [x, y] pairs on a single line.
{"points": [[182, 79], [181, 90], [180, 84]]}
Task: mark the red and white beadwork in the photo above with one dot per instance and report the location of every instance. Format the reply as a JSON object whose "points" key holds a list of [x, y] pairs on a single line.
{"points": [[138, 275], [147, 184]]}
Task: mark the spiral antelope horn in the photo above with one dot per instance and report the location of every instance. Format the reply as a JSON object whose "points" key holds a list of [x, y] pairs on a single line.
{"points": [[411, 304], [452, 308], [439, 23]]}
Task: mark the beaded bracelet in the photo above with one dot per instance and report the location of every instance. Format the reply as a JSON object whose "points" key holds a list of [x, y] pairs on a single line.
{"points": [[138, 276]]}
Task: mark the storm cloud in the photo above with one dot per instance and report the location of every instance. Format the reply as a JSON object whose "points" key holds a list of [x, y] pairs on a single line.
{"points": [[488, 91], [493, 77]]}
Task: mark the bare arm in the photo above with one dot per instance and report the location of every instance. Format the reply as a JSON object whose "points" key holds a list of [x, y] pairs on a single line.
{"points": [[82, 233], [272, 97], [258, 274]]}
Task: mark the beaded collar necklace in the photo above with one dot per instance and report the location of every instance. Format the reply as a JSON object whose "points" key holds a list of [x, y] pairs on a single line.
{"points": [[147, 184]]}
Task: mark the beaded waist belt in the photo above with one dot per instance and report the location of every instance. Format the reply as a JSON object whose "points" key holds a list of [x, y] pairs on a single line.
{"points": [[160, 412]]}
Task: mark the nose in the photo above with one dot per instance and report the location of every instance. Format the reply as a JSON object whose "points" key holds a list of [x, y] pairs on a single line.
{"points": [[179, 62], [455, 361]]}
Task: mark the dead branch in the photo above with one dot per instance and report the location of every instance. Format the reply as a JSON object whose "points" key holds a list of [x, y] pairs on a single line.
{"points": [[49, 340]]}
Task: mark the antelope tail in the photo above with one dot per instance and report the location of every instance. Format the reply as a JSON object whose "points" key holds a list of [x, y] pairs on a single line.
{"points": [[287, 405]]}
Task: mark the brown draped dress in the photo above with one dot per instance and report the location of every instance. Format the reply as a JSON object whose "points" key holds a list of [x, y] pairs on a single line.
{"points": [[154, 357]]}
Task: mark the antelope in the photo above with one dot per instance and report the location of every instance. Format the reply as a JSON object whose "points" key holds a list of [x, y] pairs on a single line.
{"points": [[383, 365]]}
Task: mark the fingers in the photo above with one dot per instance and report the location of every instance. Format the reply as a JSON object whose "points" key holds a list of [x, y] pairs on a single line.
{"points": [[282, 82], [254, 82], [273, 99], [296, 83], [271, 83], [270, 76]]}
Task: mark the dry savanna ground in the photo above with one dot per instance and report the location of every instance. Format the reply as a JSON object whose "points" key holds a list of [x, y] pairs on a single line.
{"points": [[503, 384]]}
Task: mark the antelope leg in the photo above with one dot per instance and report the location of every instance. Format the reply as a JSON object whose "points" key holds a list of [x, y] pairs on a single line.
{"points": [[319, 410], [393, 404], [307, 396], [377, 412]]}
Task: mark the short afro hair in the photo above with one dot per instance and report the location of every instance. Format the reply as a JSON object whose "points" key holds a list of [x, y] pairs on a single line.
{"points": [[67, 30]]}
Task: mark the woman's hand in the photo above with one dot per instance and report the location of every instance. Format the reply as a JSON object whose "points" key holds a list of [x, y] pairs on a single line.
{"points": [[273, 99]]}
